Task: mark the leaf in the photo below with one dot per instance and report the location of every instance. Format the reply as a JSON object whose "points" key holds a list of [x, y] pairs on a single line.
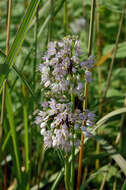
{"points": [[103, 58], [108, 116], [18, 73], [24, 81], [2, 54], [13, 133], [41, 12], [20, 36], [114, 154], [4, 69], [121, 51], [3, 146], [58, 179]]}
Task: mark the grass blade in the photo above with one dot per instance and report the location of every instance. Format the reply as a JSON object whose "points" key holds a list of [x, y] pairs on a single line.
{"points": [[49, 17], [20, 36], [13, 133], [114, 154], [24, 81], [26, 139], [58, 180], [108, 116]]}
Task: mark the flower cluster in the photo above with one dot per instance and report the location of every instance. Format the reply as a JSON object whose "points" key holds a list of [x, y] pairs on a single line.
{"points": [[60, 120]]}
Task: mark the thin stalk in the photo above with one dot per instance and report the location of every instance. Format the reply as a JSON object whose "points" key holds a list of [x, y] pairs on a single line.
{"points": [[40, 166], [13, 134], [9, 3], [36, 47], [51, 20], [114, 184], [114, 52], [85, 174], [26, 139], [85, 94], [65, 18], [92, 17], [103, 181], [66, 174], [7, 50], [99, 73], [72, 165], [73, 148]]}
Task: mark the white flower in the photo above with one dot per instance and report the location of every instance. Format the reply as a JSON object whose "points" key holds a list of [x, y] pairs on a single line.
{"points": [[43, 124], [43, 131], [47, 83]]}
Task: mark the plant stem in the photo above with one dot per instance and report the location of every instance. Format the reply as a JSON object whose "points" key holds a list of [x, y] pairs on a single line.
{"points": [[92, 17], [73, 148], [7, 50], [72, 165], [85, 94], [26, 139], [9, 3], [114, 52], [65, 18], [51, 20], [36, 46], [66, 175], [99, 73]]}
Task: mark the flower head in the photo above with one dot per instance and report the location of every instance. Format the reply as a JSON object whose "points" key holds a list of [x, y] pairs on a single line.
{"points": [[62, 76]]}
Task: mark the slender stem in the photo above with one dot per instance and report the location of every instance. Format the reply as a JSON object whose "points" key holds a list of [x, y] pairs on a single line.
{"points": [[73, 148], [99, 73], [36, 46], [114, 184], [4, 87], [51, 20], [103, 181], [66, 175], [7, 49], [26, 140], [114, 53], [65, 18], [73, 165], [91, 27], [8, 26], [85, 94]]}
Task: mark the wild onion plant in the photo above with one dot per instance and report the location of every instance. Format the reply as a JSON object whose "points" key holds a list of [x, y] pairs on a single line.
{"points": [[61, 118]]}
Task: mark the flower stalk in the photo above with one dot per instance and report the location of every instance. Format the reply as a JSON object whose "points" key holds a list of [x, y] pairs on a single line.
{"points": [[66, 173], [73, 147], [85, 97], [60, 119]]}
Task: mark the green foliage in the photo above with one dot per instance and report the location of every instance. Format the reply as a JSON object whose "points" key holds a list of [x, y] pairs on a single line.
{"points": [[27, 159], [120, 52]]}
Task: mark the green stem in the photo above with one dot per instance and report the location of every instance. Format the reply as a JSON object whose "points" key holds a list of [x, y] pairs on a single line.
{"points": [[72, 165], [65, 17], [26, 140], [51, 20], [66, 173], [73, 148], [36, 45], [92, 16]]}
